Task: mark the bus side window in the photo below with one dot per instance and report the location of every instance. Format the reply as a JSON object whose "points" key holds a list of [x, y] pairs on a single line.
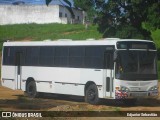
{"points": [[61, 56], [76, 56], [8, 56], [108, 62], [6, 53], [94, 57], [32, 56], [46, 56]]}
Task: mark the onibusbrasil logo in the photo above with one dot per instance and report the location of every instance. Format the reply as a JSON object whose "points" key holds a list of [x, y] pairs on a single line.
{"points": [[21, 114]]}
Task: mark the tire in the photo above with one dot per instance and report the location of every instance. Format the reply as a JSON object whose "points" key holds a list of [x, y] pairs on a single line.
{"points": [[91, 95], [31, 89]]}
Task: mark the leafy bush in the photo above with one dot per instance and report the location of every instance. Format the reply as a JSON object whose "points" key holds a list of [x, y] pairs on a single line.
{"points": [[156, 38]]}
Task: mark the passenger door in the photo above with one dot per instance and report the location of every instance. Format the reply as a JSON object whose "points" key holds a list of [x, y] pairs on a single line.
{"points": [[108, 81], [18, 62]]}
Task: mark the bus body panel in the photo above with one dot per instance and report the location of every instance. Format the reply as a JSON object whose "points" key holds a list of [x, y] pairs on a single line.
{"points": [[8, 77], [61, 80], [54, 79]]}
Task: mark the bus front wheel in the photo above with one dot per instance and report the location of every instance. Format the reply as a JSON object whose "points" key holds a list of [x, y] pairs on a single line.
{"points": [[31, 89], [91, 94]]}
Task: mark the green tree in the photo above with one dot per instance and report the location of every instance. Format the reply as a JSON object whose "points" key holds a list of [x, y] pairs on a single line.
{"points": [[91, 7], [152, 21], [152, 24], [124, 18]]}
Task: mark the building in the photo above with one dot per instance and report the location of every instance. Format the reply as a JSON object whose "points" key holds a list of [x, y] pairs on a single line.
{"points": [[39, 14]]}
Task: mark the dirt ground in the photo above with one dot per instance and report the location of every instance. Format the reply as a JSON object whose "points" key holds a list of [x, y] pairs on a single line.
{"points": [[14, 100]]}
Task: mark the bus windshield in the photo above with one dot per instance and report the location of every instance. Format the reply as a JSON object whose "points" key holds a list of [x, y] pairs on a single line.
{"points": [[136, 65]]}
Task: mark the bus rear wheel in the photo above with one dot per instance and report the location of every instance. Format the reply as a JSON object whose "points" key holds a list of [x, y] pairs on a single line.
{"points": [[31, 89], [91, 95]]}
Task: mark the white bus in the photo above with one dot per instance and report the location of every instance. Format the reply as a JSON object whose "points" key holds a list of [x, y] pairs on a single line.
{"points": [[109, 68]]}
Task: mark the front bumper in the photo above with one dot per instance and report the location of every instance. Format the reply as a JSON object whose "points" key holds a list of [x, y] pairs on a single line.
{"points": [[135, 94]]}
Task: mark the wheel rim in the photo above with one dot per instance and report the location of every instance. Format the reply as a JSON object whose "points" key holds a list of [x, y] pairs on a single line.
{"points": [[31, 90], [91, 94]]}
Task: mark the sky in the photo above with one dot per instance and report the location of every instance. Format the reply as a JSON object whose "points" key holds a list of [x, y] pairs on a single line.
{"points": [[34, 2]]}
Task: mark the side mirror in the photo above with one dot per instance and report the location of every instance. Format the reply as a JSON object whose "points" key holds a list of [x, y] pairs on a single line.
{"points": [[115, 56]]}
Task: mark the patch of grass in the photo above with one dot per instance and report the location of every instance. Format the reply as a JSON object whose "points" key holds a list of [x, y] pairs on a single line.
{"points": [[22, 99], [117, 109], [47, 31]]}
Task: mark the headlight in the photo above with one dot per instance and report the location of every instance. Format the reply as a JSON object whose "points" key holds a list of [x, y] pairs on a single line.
{"points": [[125, 89], [153, 88]]}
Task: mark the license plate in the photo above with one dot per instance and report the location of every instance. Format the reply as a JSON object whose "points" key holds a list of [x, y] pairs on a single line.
{"points": [[138, 94]]}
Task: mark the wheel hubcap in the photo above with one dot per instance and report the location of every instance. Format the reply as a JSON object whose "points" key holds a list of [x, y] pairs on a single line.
{"points": [[31, 90], [91, 94]]}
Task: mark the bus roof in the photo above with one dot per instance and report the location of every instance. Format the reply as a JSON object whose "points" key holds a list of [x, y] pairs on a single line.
{"points": [[65, 42]]}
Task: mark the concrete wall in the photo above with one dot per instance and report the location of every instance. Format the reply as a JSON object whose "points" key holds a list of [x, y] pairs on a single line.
{"points": [[40, 14], [28, 14]]}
